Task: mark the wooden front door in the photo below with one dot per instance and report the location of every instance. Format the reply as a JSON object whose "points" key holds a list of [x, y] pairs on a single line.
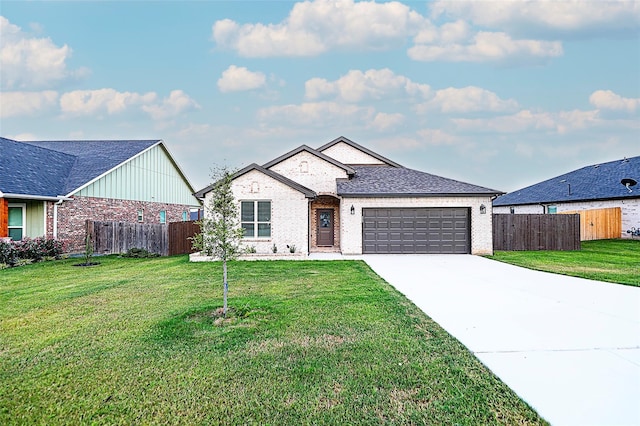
{"points": [[324, 218]]}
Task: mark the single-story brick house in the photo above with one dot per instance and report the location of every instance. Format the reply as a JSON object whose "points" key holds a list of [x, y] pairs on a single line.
{"points": [[343, 197], [50, 188], [598, 186]]}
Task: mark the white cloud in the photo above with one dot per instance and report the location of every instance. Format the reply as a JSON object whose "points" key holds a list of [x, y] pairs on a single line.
{"points": [[89, 102], [384, 121], [30, 62], [528, 121], [467, 99], [236, 79], [313, 27], [177, 103], [550, 17], [436, 137], [483, 47], [608, 100], [357, 86], [13, 104], [317, 114]]}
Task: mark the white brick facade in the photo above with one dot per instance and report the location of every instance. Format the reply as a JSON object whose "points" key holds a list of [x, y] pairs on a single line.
{"points": [[295, 211], [629, 207], [289, 211], [310, 171], [349, 155], [481, 224]]}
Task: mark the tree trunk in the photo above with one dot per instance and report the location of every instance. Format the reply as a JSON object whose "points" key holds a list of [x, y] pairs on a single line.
{"points": [[226, 288]]}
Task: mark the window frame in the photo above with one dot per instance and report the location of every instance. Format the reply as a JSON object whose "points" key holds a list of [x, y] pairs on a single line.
{"points": [[23, 227], [256, 222]]}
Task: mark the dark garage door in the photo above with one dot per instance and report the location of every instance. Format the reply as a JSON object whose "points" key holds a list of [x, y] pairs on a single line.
{"points": [[417, 230]]}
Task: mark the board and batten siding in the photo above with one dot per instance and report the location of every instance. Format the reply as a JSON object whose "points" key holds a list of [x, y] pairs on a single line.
{"points": [[151, 176]]}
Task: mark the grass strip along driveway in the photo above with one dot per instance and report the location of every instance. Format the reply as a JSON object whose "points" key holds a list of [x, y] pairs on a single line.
{"points": [[315, 342], [616, 261]]}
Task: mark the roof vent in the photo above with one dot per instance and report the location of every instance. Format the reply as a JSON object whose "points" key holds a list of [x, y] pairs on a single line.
{"points": [[596, 166], [628, 183]]}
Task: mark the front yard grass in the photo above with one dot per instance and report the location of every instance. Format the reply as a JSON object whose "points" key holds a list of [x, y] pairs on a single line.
{"points": [[133, 341], [616, 261]]}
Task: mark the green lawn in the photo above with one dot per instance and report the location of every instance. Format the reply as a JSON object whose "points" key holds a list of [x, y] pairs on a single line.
{"points": [[133, 341], [616, 261]]}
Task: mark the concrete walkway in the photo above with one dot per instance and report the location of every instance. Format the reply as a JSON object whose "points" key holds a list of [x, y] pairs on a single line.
{"points": [[569, 347]]}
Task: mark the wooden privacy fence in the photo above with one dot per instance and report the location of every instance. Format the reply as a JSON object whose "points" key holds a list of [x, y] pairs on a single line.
{"points": [[536, 232], [599, 224], [179, 236], [118, 237]]}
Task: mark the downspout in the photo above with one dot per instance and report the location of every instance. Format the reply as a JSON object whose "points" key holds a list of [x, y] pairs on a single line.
{"points": [[61, 199]]}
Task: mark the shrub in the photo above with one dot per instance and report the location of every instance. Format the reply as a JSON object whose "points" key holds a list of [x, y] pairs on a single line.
{"points": [[139, 253], [12, 252]]}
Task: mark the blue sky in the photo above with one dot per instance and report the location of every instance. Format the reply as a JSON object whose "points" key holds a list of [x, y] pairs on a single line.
{"points": [[501, 94]]}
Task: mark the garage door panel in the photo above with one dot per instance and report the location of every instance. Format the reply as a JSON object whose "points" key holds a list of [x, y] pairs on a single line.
{"points": [[416, 230]]}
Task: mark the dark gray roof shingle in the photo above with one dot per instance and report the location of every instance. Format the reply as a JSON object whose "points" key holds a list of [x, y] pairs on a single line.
{"points": [[52, 168], [385, 181], [595, 182]]}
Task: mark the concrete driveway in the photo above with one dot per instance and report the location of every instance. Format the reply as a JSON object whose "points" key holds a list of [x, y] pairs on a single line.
{"points": [[569, 347]]}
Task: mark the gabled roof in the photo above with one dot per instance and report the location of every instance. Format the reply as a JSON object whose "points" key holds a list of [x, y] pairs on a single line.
{"points": [[595, 182], [342, 139], [305, 148], [308, 193], [59, 168], [387, 181], [31, 170]]}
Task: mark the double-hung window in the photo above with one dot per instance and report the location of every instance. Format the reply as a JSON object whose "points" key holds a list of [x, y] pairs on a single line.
{"points": [[255, 217]]}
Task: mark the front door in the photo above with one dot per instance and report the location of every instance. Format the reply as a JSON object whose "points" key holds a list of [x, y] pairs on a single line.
{"points": [[324, 218]]}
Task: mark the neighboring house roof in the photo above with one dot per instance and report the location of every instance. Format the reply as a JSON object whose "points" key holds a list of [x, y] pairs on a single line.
{"points": [[53, 169], [386, 181], [305, 148], [342, 139], [94, 158], [595, 182], [31, 170], [308, 193]]}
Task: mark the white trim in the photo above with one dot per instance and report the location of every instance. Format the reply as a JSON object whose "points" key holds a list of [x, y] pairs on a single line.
{"points": [[23, 206]]}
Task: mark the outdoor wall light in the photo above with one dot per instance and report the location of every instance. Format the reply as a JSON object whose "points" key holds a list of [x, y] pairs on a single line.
{"points": [[353, 209], [483, 209]]}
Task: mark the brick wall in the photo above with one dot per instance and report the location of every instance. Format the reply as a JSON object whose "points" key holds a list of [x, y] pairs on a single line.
{"points": [[325, 202], [481, 224], [289, 211], [347, 154], [73, 214], [311, 171]]}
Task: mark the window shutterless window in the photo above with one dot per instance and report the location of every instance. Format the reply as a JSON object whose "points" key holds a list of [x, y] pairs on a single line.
{"points": [[141, 215], [163, 216], [255, 218], [17, 219]]}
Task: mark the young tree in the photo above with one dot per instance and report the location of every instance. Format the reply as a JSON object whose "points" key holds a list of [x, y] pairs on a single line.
{"points": [[220, 230]]}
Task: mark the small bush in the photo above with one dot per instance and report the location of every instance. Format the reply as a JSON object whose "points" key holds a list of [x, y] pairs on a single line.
{"points": [[36, 249], [139, 253]]}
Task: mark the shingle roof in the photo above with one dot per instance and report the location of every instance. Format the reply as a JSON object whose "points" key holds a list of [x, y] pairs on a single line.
{"points": [[595, 182], [31, 170], [386, 181], [53, 168]]}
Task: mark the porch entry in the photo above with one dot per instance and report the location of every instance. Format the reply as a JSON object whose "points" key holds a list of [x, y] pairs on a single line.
{"points": [[324, 219]]}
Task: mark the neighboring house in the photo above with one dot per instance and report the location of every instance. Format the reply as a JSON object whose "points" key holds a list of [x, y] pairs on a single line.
{"points": [[599, 186], [50, 188], [343, 197]]}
